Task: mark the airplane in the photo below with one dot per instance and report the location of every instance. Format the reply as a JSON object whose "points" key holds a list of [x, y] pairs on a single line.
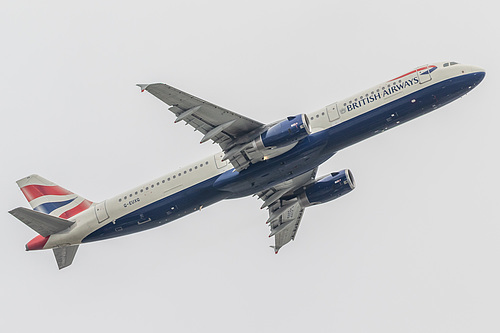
{"points": [[277, 162]]}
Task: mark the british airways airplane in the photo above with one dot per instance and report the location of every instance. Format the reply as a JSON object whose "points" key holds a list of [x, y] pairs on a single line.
{"points": [[277, 162]]}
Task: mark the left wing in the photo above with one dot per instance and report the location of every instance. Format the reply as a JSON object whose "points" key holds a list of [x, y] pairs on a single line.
{"points": [[285, 210], [220, 125]]}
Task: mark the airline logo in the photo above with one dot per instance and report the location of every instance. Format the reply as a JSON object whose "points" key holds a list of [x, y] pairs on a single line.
{"points": [[403, 82], [55, 200], [426, 70], [429, 70]]}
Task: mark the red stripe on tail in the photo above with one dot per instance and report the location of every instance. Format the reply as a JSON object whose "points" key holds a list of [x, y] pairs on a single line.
{"points": [[37, 243], [78, 209], [32, 192]]}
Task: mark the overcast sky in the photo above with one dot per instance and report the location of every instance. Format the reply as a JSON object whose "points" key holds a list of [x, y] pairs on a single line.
{"points": [[414, 248]]}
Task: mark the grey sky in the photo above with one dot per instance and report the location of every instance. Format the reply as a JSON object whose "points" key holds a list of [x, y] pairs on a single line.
{"points": [[413, 249]]}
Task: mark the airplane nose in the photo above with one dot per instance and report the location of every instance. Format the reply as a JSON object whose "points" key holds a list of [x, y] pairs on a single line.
{"points": [[475, 69], [478, 73]]}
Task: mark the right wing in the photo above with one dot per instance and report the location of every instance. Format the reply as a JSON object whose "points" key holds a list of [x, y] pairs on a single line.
{"points": [[285, 211], [284, 230], [226, 128]]}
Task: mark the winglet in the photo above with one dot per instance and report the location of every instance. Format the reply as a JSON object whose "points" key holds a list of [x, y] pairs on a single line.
{"points": [[143, 86]]}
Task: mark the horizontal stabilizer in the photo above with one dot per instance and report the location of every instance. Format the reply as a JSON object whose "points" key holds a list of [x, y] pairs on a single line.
{"points": [[65, 255], [44, 224]]}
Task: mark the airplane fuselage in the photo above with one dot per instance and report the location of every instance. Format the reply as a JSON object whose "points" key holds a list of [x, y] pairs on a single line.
{"points": [[334, 128]]}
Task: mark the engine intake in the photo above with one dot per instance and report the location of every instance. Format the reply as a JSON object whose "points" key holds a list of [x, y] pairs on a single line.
{"points": [[328, 188]]}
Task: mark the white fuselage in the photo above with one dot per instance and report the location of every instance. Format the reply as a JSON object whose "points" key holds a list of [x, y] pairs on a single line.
{"points": [[341, 112]]}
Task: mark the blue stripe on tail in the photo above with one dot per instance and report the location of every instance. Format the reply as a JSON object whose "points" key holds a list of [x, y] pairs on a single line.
{"points": [[49, 207]]}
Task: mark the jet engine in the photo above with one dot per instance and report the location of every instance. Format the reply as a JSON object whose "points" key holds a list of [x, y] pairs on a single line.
{"points": [[278, 139], [327, 188], [285, 132]]}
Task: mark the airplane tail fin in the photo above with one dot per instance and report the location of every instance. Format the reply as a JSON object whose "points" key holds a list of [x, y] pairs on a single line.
{"points": [[46, 226], [52, 207], [46, 197]]}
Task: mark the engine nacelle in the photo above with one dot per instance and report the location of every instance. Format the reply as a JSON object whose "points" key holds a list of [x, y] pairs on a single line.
{"points": [[277, 140], [286, 132], [327, 188]]}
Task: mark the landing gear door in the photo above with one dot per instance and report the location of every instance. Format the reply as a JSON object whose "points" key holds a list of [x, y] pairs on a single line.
{"points": [[424, 74], [333, 112]]}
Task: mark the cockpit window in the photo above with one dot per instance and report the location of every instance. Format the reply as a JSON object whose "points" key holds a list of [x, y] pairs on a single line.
{"points": [[453, 63], [450, 64]]}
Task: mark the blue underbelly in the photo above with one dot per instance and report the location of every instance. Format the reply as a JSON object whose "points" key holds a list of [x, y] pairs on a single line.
{"points": [[162, 211]]}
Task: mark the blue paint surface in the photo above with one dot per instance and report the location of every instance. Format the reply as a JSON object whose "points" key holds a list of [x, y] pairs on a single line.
{"points": [[49, 207]]}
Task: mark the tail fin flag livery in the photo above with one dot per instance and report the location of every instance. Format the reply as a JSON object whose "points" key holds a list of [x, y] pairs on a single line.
{"points": [[277, 162], [46, 197], [52, 206]]}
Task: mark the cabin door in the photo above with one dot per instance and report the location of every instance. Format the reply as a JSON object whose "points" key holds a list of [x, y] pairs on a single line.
{"points": [[218, 161], [333, 112], [100, 212]]}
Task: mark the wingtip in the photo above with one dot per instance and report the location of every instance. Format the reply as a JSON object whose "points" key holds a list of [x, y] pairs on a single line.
{"points": [[143, 86], [274, 248]]}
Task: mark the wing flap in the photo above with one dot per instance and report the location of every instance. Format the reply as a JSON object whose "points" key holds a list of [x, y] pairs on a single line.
{"points": [[285, 229], [202, 115], [285, 211]]}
